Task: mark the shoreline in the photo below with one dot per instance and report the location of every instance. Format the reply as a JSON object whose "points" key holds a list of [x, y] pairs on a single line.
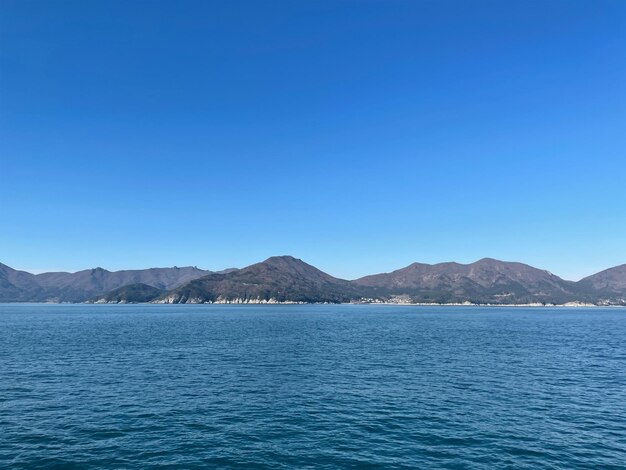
{"points": [[397, 304]]}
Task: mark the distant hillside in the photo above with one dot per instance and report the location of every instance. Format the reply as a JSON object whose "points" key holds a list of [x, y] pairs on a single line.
{"points": [[133, 293], [280, 278], [287, 279], [485, 281], [19, 286], [610, 283]]}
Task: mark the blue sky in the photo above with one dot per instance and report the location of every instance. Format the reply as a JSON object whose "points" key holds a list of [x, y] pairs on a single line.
{"points": [[359, 136]]}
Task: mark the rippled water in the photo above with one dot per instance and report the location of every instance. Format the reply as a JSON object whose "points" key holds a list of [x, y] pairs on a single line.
{"points": [[90, 386]]}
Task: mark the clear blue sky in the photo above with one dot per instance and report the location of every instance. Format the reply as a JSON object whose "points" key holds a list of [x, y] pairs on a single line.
{"points": [[359, 136]]}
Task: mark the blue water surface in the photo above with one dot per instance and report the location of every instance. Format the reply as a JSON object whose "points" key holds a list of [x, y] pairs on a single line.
{"points": [[311, 386]]}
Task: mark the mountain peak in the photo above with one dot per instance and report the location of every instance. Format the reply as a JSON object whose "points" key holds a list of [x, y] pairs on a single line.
{"points": [[283, 259], [487, 280], [488, 260], [286, 262], [278, 278]]}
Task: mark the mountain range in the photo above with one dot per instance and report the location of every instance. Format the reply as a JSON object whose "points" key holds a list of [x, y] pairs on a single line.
{"points": [[21, 286], [288, 279]]}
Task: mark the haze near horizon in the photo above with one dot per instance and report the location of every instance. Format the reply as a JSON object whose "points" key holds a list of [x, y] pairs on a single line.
{"points": [[357, 136]]}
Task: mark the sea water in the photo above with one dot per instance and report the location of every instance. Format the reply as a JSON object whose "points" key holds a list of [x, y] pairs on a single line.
{"points": [[311, 386]]}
